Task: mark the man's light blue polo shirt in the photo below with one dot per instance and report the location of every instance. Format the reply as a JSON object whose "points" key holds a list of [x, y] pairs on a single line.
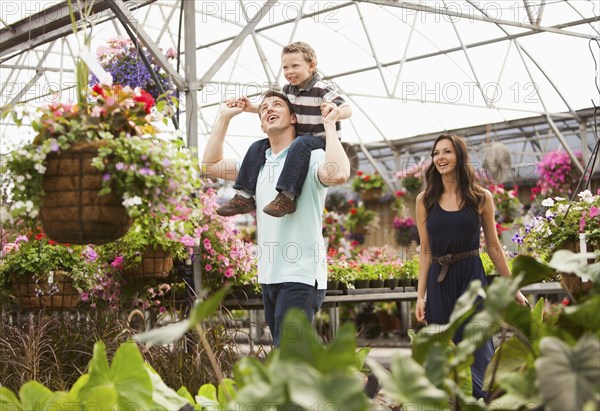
{"points": [[291, 248]]}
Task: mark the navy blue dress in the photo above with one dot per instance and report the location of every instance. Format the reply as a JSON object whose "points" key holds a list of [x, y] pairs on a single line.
{"points": [[453, 232]]}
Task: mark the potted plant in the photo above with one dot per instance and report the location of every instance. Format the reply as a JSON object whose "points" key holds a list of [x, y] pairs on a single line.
{"points": [[95, 165], [561, 226], [369, 186], [46, 274], [411, 177], [409, 271], [360, 220], [340, 272], [557, 174], [405, 230]]}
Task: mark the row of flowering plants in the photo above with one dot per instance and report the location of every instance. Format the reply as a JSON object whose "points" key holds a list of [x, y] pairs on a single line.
{"points": [[106, 276]]}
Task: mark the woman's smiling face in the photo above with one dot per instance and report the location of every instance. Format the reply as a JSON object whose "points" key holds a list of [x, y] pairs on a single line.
{"points": [[444, 157]]}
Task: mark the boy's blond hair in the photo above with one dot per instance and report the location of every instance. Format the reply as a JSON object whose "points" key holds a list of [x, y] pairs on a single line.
{"points": [[308, 53]]}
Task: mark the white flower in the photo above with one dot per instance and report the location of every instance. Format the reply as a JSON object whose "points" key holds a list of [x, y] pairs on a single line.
{"points": [[562, 208], [19, 179], [549, 202], [559, 198], [587, 196], [128, 202]]}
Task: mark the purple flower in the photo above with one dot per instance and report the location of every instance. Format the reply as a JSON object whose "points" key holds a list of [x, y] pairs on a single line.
{"points": [[54, 147], [145, 171], [105, 177]]}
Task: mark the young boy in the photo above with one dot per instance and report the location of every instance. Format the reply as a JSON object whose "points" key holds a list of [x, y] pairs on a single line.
{"points": [[312, 99]]}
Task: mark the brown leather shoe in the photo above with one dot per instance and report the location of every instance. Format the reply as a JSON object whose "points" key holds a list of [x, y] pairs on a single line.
{"points": [[237, 205], [281, 206]]}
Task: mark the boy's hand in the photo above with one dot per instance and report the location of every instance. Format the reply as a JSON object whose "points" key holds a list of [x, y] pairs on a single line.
{"points": [[332, 116], [248, 106], [326, 108]]}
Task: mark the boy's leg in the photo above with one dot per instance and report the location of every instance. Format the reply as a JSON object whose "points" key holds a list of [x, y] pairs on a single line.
{"points": [[251, 165], [243, 202], [295, 170]]}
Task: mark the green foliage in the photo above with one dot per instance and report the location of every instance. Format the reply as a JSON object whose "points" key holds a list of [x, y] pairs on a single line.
{"points": [[303, 372], [567, 377], [127, 382]]}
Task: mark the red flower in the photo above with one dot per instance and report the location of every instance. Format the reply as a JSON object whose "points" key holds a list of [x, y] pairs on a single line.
{"points": [[145, 98], [98, 90], [367, 178], [359, 173], [52, 242], [39, 236], [353, 211], [565, 301], [500, 228], [400, 193]]}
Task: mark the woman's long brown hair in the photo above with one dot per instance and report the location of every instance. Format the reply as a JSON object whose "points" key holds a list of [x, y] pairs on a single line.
{"points": [[471, 194]]}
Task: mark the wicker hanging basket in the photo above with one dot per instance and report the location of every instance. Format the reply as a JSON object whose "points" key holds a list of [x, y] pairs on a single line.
{"points": [[156, 263], [370, 195], [53, 291], [71, 210]]}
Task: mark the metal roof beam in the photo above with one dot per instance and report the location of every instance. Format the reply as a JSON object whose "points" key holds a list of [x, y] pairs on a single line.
{"points": [[421, 7], [451, 50], [236, 42], [52, 23]]}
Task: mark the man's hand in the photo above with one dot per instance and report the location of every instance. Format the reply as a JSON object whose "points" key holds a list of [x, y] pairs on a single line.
{"points": [[232, 108], [327, 108]]}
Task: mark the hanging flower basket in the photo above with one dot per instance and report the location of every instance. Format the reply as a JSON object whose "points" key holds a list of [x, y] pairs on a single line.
{"points": [[156, 263], [71, 209], [53, 291], [370, 195]]}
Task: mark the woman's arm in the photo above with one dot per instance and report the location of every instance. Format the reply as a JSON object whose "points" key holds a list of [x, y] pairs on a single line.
{"points": [[424, 260], [494, 248]]}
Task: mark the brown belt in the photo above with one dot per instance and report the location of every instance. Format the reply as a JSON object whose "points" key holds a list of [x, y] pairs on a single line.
{"points": [[447, 260]]}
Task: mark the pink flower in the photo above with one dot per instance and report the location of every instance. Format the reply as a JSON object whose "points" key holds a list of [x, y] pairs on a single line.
{"points": [[10, 247], [229, 272], [594, 211], [582, 222], [208, 267], [171, 53], [84, 296], [117, 262], [187, 240]]}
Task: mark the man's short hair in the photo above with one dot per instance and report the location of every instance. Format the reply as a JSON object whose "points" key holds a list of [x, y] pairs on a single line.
{"points": [[274, 93]]}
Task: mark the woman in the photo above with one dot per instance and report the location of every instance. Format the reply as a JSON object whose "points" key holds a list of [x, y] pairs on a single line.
{"points": [[450, 214]]}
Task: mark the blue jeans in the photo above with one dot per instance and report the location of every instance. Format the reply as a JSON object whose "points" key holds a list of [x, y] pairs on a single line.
{"points": [[295, 168], [279, 298]]}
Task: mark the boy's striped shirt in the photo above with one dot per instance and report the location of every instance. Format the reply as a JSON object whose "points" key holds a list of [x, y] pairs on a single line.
{"points": [[307, 105]]}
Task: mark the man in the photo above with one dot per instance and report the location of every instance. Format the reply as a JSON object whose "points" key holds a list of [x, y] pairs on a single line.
{"points": [[291, 251]]}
